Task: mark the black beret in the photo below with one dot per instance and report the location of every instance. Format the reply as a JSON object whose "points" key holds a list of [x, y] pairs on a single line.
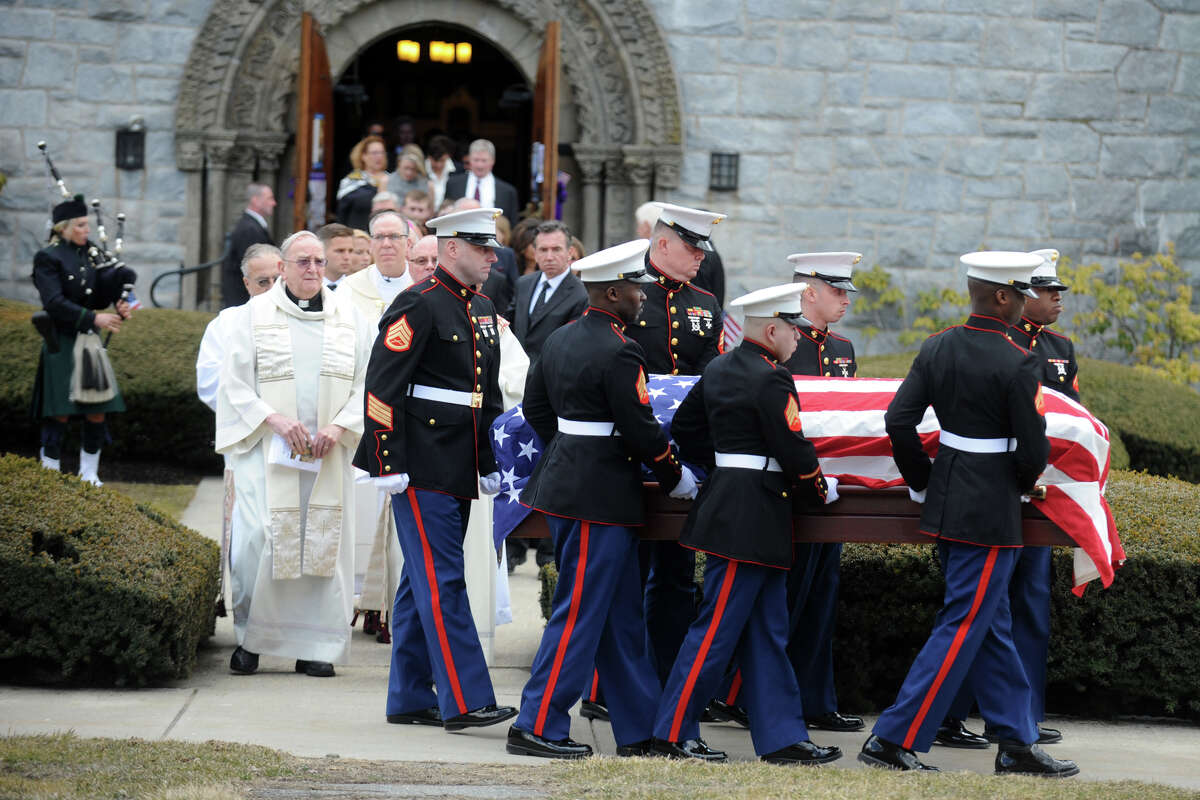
{"points": [[70, 209]]}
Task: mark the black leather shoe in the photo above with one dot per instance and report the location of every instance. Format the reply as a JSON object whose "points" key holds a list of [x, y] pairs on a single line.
{"points": [[643, 748], [480, 717], [524, 743], [835, 721], [315, 669], [594, 711], [954, 733], [1029, 759], [425, 716], [881, 753], [724, 712], [804, 753], [243, 662], [689, 748], [1045, 735]]}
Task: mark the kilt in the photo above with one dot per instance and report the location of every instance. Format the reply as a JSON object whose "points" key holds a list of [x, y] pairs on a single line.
{"points": [[52, 387]]}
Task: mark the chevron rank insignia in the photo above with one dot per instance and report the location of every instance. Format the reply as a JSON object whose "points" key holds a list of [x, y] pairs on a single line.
{"points": [[399, 335], [379, 411], [642, 393], [792, 413]]}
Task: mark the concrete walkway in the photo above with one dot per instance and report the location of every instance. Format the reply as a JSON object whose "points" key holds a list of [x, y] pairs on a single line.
{"points": [[344, 715]]}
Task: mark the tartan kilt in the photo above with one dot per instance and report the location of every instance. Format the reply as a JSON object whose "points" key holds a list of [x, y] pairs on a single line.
{"points": [[52, 386]]}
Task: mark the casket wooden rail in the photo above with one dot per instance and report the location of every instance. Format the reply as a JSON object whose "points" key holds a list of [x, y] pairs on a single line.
{"points": [[861, 515]]}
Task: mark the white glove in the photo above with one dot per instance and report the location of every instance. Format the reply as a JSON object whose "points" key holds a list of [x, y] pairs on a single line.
{"points": [[831, 492], [1026, 499], [489, 484], [392, 484], [916, 497], [686, 488]]}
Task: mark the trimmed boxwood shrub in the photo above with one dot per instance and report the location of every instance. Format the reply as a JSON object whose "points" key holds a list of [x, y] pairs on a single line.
{"points": [[154, 357], [94, 588]]}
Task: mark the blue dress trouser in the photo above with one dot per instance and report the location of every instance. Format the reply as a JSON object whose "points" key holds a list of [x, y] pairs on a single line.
{"points": [[1029, 599], [971, 633], [595, 621], [813, 584], [434, 640], [742, 617]]}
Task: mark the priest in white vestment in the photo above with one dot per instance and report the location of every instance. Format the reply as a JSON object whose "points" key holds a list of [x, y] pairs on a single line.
{"points": [[289, 416]]}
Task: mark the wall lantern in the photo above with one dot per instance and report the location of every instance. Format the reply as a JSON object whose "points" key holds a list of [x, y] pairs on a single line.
{"points": [[462, 52], [408, 50], [131, 145], [723, 172], [441, 52]]}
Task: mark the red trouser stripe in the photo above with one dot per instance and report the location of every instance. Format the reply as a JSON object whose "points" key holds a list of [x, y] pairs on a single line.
{"points": [[959, 636], [702, 653], [595, 686], [735, 686], [563, 640], [436, 602]]}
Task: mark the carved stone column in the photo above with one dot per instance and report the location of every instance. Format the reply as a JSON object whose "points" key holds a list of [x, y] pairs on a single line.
{"points": [[618, 212], [189, 157], [242, 160], [217, 150], [639, 166], [269, 155], [591, 164]]}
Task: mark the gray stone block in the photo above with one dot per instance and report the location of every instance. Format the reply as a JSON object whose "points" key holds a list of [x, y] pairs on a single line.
{"points": [[897, 80], [1188, 81], [1132, 22], [854, 120], [994, 188], [12, 156], [1000, 110], [11, 70], [820, 223], [793, 9], [977, 158], [787, 191], [866, 188], [939, 119], [22, 107], [157, 90], [95, 55], [1141, 157], [992, 85], [900, 248], [928, 191], [856, 153], [1181, 32], [1072, 97], [815, 46], [89, 144], [870, 49], [1068, 10], [1064, 229], [1171, 195], [12, 48], [695, 54], [862, 10], [1187, 243], [781, 93], [1019, 151], [1082, 31], [749, 51], [1018, 8], [106, 84], [50, 66], [959, 233], [26, 23], [1191, 6], [119, 10], [700, 16], [1010, 128], [1092, 57], [843, 90], [925, 152], [1021, 219], [178, 12], [1106, 202], [943, 53], [1132, 107], [753, 171], [702, 94], [28, 194], [85, 31], [940, 27], [1046, 182], [901, 219], [1018, 44], [812, 154], [1147, 71], [158, 44], [1173, 115], [920, 5]]}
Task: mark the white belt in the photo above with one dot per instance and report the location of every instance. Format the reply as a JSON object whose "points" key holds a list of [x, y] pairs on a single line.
{"points": [[576, 427], [745, 461], [452, 396], [969, 445]]}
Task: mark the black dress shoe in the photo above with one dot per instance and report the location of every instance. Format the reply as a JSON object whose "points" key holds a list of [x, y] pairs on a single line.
{"points": [[243, 662], [1045, 735], [1015, 758], [804, 753], [524, 743], [643, 748], [480, 717], [835, 721], [425, 716], [315, 669], [724, 712], [689, 748], [954, 733], [881, 753], [595, 711]]}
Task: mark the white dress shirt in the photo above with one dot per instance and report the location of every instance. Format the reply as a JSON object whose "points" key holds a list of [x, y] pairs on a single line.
{"points": [[551, 284], [487, 189]]}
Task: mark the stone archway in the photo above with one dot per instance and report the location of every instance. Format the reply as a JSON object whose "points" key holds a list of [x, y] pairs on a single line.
{"points": [[234, 115]]}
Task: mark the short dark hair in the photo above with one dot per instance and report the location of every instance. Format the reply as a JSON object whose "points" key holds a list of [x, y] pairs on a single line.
{"points": [[553, 226], [439, 146], [334, 230]]}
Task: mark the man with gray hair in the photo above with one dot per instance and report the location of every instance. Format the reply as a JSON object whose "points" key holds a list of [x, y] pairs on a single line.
{"points": [[289, 416], [478, 182], [253, 227]]}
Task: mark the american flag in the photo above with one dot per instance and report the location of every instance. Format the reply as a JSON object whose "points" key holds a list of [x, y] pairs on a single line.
{"points": [[843, 417]]}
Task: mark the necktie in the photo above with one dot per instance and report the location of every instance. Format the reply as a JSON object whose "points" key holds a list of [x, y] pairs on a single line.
{"points": [[477, 198], [543, 294]]}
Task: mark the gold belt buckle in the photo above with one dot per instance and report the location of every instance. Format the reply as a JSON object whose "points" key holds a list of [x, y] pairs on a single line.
{"points": [[476, 399]]}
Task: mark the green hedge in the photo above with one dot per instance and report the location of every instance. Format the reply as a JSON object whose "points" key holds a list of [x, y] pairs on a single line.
{"points": [[1128, 649], [94, 588], [154, 356]]}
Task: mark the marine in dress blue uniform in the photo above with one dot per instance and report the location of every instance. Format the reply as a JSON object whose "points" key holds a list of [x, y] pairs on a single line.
{"points": [[587, 399], [432, 395], [1029, 589], [985, 391], [742, 419]]}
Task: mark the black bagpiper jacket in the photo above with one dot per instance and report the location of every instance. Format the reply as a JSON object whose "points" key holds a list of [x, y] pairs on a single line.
{"points": [[440, 334], [72, 289]]}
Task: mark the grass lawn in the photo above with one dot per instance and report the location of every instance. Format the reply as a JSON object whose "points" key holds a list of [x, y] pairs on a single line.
{"points": [[170, 498], [66, 767]]}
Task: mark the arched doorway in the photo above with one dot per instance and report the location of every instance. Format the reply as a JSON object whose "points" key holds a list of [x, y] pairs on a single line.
{"points": [[486, 97], [619, 110]]}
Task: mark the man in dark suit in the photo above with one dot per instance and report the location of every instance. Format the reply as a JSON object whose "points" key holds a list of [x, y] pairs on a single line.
{"points": [[478, 182], [549, 297], [252, 228]]}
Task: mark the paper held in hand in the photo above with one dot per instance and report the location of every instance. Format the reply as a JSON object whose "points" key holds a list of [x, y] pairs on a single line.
{"points": [[281, 454]]}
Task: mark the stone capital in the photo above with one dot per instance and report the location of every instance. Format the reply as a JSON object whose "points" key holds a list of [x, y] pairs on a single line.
{"points": [[592, 160], [189, 153], [219, 150]]}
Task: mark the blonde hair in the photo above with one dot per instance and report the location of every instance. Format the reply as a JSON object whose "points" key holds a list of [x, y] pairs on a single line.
{"points": [[356, 152], [361, 234]]}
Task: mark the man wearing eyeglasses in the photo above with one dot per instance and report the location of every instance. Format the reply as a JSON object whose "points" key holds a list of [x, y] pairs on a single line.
{"points": [[289, 414]]}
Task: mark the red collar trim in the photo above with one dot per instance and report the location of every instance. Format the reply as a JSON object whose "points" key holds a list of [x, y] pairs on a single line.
{"points": [[766, 351], [617, 320]]}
